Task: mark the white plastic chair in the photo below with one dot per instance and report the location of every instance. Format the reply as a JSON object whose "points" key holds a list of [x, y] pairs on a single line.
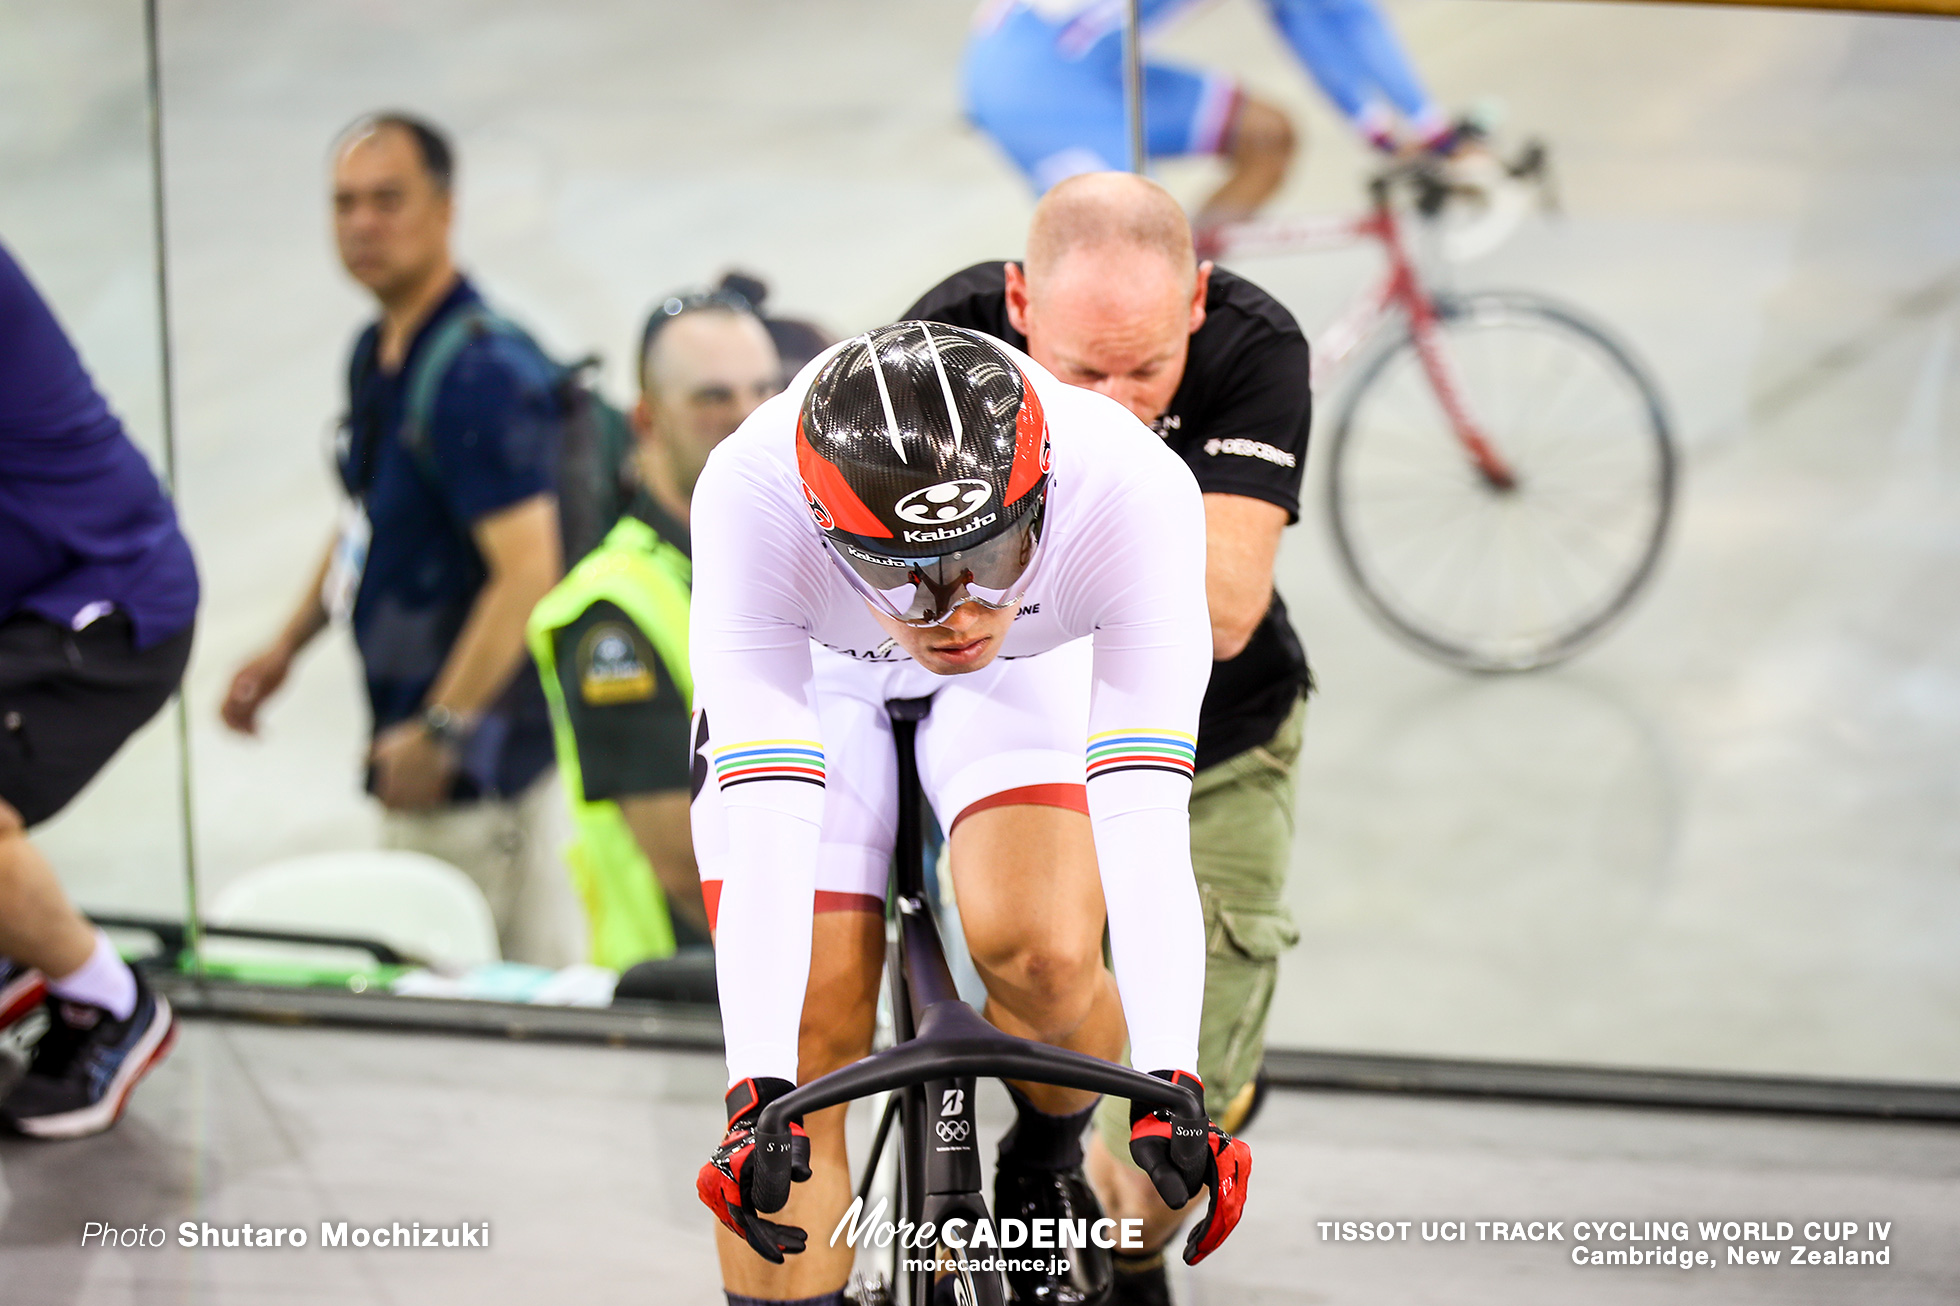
{"points": [[418, 904]]}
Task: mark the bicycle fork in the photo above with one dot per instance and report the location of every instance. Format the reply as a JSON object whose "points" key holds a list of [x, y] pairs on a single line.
{"points": [[1437, 365]]}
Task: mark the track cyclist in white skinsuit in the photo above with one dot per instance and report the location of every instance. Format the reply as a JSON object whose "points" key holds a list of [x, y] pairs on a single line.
{"points": [[927, 511]]}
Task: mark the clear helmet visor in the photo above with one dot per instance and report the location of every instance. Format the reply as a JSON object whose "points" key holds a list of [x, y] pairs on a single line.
{"points": [[924, 591]]}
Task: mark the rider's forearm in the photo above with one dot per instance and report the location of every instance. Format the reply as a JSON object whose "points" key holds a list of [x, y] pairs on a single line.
{"points": [[1152, 660], [750, 651], [1156, 925], [762, 940]]}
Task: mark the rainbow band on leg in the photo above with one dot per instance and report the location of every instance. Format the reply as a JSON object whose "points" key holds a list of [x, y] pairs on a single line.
{"points": [[1142, 750], [770, 759]]}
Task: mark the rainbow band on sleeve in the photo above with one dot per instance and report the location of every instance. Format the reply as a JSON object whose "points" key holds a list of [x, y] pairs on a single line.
{"points": [[770, 759], [1142, 750]]}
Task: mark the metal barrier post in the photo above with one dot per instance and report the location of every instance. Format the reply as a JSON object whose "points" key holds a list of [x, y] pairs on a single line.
{"points": [[1133, 83]]}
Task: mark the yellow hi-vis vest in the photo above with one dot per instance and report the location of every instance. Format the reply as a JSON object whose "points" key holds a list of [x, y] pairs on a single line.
{"points": [[650, 580]]}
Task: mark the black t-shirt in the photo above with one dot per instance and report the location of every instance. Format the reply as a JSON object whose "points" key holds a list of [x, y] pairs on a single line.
{"points": [[628, 715], [1239, 419]]}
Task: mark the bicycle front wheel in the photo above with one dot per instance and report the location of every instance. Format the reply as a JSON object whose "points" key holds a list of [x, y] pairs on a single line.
{"points": [[1484, 575]]}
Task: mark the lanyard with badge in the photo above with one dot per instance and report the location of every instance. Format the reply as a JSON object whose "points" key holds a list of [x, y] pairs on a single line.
{"points": [[348, 560], [353, 532]]}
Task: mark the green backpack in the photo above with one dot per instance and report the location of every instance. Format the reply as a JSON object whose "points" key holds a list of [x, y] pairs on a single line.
{"points": [[594, 438]]}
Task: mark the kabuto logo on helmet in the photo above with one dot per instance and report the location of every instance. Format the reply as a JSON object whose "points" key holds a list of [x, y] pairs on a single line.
{"points": [[949, 501], [950, 532]]}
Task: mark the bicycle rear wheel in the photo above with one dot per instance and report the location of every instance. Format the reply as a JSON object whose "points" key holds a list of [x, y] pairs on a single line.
{"points": [[1492, 578]]}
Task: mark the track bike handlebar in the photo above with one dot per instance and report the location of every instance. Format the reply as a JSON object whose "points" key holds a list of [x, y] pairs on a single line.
{"points": [[954, 1040]]}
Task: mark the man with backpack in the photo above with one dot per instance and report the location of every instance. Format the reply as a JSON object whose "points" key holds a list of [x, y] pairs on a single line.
{"points": [[451, 457]]}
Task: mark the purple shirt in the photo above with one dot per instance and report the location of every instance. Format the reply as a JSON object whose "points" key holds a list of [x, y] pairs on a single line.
{"points": [[84, 526]]}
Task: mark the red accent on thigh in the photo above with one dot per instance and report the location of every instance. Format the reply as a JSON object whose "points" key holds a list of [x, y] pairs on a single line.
{"points": [[826, 900], [832, 900], [1073, 797]]}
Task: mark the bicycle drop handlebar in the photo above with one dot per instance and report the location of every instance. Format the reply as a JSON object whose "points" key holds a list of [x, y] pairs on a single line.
{"points": [[1432, 187], [954, 1040]]}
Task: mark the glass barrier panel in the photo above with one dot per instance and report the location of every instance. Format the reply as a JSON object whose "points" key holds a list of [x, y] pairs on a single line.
{"points": [[1627, 749]]}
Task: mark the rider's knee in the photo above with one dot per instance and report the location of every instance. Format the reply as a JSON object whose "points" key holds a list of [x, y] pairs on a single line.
{"points": [[1263, 129], [1054, 985]]}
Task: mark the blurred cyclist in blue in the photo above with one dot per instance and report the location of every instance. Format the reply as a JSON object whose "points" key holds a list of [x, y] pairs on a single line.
{"points": [[1044, 78]]}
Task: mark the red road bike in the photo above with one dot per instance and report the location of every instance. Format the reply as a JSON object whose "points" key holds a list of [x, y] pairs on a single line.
{"points": [[1500, 472]]}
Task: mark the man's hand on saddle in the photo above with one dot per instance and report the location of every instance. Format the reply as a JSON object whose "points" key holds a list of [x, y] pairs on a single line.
{"points": [[747, 1174], [1183, 1153]]}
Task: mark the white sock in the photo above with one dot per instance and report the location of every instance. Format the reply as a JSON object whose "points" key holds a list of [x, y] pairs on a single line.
{"points": [[104, 980]]}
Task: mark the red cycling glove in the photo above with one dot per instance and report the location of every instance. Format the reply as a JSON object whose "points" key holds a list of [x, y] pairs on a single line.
{"points": [[1182, 1153], [744, 1176]]}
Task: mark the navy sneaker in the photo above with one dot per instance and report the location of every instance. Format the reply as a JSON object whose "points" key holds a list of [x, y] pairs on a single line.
{"points": [[86, 1065]]}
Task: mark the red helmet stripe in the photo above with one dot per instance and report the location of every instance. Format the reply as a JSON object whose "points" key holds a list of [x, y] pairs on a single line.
{"points": [[1030, 446], [821, 478]]}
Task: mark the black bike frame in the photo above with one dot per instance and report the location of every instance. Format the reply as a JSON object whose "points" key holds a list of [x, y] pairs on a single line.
{"points": [[943, 1045]]}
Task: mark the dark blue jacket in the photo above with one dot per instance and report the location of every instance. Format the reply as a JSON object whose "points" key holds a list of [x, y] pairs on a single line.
{"points": [[84, 525]]}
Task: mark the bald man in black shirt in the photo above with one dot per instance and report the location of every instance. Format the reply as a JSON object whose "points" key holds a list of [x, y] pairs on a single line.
{"points": [[1111, 298]]}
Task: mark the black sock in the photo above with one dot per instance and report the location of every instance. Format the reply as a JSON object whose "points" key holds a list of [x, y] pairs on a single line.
{"points": [[1040, 1141], [825, 1299]]}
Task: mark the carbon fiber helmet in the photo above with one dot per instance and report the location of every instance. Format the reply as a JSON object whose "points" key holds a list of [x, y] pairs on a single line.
{"points": [[924, 456], [919, 435]]}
